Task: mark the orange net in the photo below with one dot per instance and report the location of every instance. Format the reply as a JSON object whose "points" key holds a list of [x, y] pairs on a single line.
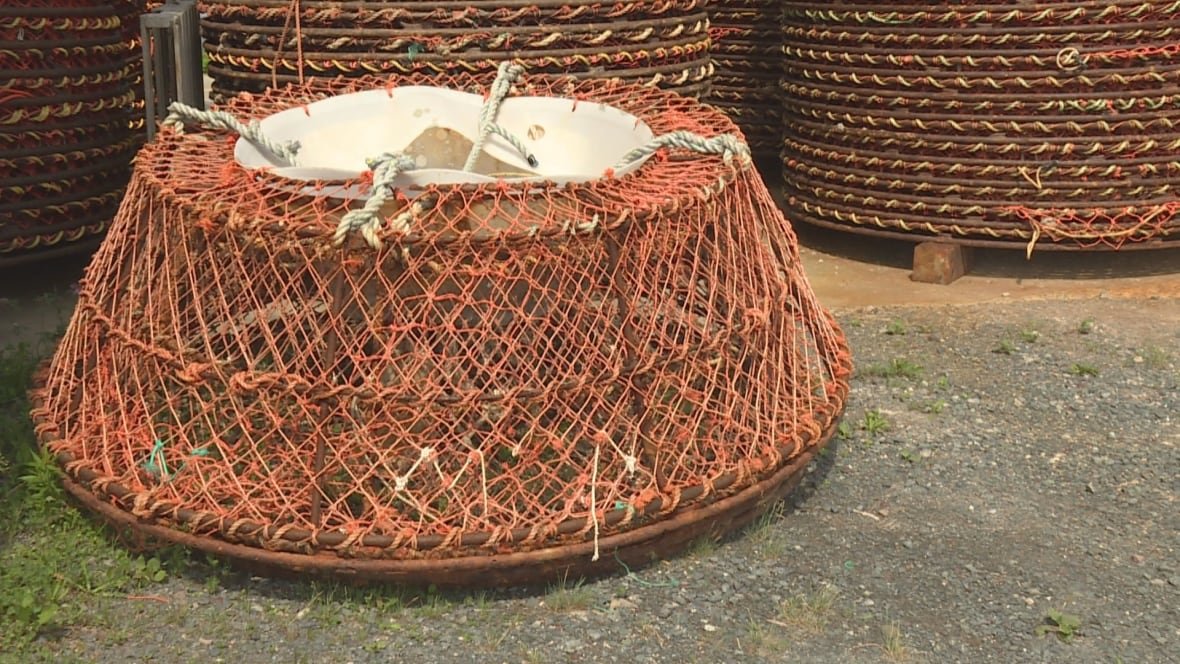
{"points": [[1099, 227], [521, 366]]}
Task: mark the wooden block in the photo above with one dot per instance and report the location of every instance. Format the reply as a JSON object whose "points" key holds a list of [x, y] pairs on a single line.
{"points": [[940, 262]]}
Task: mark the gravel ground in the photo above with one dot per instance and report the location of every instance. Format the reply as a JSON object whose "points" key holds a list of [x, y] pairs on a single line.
{"points": [[997, 464]]}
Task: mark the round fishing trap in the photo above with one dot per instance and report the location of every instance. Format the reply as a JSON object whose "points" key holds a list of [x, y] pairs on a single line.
{"points": [[70, 120], [253, 44], [1041, 124], [578, 350], [747, 84]]}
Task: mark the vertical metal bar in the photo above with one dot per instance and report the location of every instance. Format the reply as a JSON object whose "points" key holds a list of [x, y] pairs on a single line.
{"points": [[149, 97]]}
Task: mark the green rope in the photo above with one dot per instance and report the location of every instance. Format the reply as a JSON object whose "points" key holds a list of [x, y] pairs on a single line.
{"points": [[647, 584], [157, 464]]}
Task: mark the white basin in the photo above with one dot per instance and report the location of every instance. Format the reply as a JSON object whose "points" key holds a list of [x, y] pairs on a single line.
{"points": [[572, 141]]}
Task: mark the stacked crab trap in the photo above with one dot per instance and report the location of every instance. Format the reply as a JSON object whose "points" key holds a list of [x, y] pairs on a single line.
{"points": [[70, 120], [1034, 124], [257, 43], [748, 61], [462, 335]]}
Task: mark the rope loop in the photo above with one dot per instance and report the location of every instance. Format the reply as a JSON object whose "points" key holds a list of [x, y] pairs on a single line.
{"points": [[367, 219], [179, 114], [507, 75], [726, 145]]}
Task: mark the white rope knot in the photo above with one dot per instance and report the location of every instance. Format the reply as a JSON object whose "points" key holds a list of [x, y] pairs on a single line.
{"points": [[631, 462], [506, 76], [367, 219], [179, 114], [726, 145]]}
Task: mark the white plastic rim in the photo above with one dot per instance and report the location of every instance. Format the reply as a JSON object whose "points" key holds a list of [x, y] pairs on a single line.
{"points": [[573, 141]]}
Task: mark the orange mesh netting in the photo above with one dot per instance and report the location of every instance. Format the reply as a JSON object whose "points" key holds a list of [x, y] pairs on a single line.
{"points": [[516, 367]]}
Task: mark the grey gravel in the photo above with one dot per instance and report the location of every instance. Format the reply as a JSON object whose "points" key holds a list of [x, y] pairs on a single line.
{"points": [[1007, 485]]}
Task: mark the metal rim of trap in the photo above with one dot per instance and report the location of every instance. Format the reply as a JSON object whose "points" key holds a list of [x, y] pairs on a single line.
{"points": [[621, 552]]}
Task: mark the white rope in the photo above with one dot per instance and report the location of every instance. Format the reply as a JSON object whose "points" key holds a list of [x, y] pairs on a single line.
{"points": [[179, 113], [726, 145], [507, 75], [594, 498], [367, 219]]}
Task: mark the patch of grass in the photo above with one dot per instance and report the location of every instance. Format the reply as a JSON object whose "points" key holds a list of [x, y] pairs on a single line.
{"points": [[1154, 357], [909, 456], [433, 604], [564, 596], [1006, 347], [934, 407], [874, 423], [55, 565], [1086, 326], [703, 547], [770, 542], [1029, 335], [1083, 369], [893, 642], [844, 430], [896, 327], [896, 368], [1064, 625], [763, 641], [808, 614]]}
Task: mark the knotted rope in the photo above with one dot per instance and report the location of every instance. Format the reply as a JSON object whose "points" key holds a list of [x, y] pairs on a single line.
{"points": [[726, 145], [179, 114], [367, 219], [506, 76]]}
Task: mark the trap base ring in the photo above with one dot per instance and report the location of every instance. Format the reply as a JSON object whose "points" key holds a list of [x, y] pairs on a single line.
{"points": [[633, 548]]}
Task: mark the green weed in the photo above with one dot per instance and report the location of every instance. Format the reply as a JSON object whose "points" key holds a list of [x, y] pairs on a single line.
{"points": [[893, 642], [1064, 625], [874, 423], [896, 368], [564, 596], [807, 613], [1005, 348]]}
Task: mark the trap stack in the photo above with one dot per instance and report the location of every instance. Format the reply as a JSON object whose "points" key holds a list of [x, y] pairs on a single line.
{"points": [[70, 121], [1043, 125], [748, 57], [253, 44], [586, 348]]}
